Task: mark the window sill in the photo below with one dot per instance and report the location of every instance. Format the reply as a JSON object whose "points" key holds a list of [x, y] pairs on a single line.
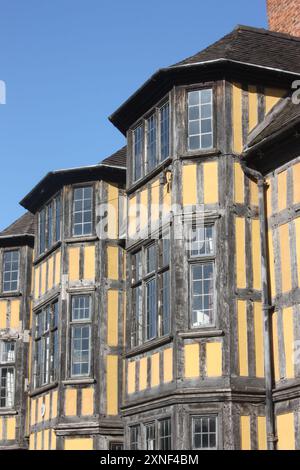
{"points": [[6, 295], [8, 412], [208, 333], [152, 344], [200, 153], [79, 381], [82, 238], [43, 389], [44, 255], [135, 185]]}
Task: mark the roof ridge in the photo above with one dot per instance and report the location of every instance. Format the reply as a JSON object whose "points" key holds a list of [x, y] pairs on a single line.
{"points": [[269, 32]]}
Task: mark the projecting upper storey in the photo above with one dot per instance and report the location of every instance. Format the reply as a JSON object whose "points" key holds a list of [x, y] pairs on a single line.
{"points": [[208, 103], [245, 49]]}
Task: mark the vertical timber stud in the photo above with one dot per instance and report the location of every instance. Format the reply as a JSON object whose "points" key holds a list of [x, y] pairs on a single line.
{"points": [[266, 313]]}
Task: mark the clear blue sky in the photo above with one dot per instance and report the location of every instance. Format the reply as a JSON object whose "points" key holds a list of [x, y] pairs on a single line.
{"points": [[68, 64]]}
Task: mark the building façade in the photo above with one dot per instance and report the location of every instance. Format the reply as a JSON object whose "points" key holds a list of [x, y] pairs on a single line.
{"points": [[181, 334]]}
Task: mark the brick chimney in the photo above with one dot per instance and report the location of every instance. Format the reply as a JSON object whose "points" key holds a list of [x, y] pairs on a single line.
{"points": [[284, 16]]}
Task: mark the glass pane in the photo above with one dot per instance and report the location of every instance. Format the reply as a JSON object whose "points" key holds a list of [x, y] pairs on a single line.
{"points": [[138, 152]]}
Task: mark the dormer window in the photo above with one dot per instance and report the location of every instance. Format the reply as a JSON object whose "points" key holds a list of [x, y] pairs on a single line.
{"points": [[154, 132], [200, 120]]}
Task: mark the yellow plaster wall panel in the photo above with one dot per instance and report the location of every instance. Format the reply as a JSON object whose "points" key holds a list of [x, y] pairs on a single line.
{"points": [[282, 190], [39, 409], [240, 252], [112, 317], [243, 338], [11, 428], [237, 117], [286, 432], [31, 441], [239, 184], [189, 185], [71, 402], [1, 428], [269, 197], [80, 443], [297, 228], [33, 412], [113, 211], [144, 210], [262, 433], [87, 400], [245, 433], [112, 385], [285, 255], [154, 208], [3, 314], [37, 282], [43, 277], [253, 107], [273, 96], [131, 377], [89, 262], [46, 439], [38, 440], [191, 361], [271, 264], [143, 374], [168, 365], [275, 346], [47, 407], [254, 194], [113, 262], [256, 258], [57, 268], [296, 180], [155, 370], [53, 440], [54, 404], [50, 272], [214, 359], [259, 339], [132, 216], [166, 200], [211, 182], [288, 335], [15, 314], [74, 257]]}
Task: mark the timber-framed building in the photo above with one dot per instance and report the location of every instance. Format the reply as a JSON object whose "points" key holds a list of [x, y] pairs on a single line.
{"points": [[158, 292]]}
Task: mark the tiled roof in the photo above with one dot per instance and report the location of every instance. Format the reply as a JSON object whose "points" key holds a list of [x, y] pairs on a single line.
{"points": [[23, 226], [283, 116], [253, 46], [118, 159]]}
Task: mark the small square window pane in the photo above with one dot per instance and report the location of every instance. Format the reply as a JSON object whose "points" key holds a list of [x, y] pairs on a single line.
{"points": [[194, 143], [206, 111], [194, 98], [206, 96], [194, 113], [206, 125], [194, 128], [206, 141]]}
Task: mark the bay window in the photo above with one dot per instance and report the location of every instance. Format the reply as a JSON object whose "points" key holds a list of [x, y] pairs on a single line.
{"points": [[154, 132], [202, 275], [80, 335], [200, 119], [50, 224], [11, 271], [150, 294], [46, 347], [7, 373]]}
